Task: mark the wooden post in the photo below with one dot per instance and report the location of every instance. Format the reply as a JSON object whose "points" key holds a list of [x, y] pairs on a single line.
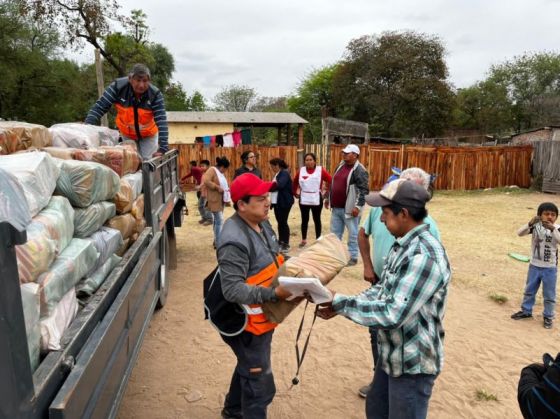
{"points": [[100, 83], [300, 149], [289, 133]]}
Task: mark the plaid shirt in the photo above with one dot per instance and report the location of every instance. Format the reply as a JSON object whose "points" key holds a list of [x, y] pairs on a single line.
{"points": [[407, 305]]}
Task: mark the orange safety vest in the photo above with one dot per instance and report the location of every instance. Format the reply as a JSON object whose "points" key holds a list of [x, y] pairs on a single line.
{"points": [[132, 111], [257, 322]]}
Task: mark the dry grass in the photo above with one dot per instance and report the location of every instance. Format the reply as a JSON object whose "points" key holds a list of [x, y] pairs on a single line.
{"points": [[484, 396]]}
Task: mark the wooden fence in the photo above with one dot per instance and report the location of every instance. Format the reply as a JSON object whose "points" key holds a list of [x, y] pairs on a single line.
{"points": [[457, 168]]}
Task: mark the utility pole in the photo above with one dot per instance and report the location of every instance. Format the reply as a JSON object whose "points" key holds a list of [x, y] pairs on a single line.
{"points": [[100, 83]]}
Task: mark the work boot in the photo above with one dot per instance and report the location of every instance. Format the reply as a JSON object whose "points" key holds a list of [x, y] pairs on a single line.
{"points": [[547, 323], [363, 391]]}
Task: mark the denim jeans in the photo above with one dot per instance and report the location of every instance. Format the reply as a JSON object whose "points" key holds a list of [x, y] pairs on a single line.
{"points": [[146, 146], [204, 212], [218, 222], [338, 221], [252, 384], [404, 397], [535, 276]]}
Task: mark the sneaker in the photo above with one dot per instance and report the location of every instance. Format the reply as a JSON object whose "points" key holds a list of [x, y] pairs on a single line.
{"points": [[363, 391], [521, 315], [303, 244], [201, 221], [284, 248], [352, 262], [207, 223], [547, 323]]}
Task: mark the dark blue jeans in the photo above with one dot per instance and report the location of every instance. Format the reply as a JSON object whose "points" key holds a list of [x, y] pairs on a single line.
{"points": [[252, 384], [535, 276], [404, 397]]}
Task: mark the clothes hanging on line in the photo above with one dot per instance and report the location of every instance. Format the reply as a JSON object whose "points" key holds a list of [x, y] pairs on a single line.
{"points": [[228, 140], [236, 138], [246, 137]]}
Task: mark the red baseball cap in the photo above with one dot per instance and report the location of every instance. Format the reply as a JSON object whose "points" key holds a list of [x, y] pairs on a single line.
{"points": [[248, 185]]}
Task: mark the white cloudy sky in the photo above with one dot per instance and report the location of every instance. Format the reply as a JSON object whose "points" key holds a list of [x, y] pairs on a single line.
{"points": [[271, 45]]}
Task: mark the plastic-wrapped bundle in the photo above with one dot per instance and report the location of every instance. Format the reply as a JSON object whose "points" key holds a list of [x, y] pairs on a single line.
{"points": [[29, 135], [135, 180], [82, 135], [85, 183], [60, 152], [125, 223], [14, 208], [54, 326], [65, 272], [122, 250], [106, 241], [140, 225], [37, 173], [89, 285], [74, 135], [88, 220], [324, 259], [56, 216], [123, 199], [9, 141], [35, 256], [31, 313], [122, 159], [137, 209]]}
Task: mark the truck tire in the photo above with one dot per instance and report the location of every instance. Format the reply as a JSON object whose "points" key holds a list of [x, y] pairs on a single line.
{"points": [[163, 271]]}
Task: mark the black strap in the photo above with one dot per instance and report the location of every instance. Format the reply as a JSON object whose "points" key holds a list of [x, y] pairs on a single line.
{"points": [[295, 380]]}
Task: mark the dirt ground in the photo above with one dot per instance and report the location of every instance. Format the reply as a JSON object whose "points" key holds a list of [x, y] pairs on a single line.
{"points": [[184, 368]]}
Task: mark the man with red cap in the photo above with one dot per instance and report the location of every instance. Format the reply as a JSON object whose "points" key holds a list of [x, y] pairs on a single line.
{"points": [[248, 258]]}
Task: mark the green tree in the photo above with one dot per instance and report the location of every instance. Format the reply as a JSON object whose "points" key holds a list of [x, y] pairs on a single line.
{"points": [[485, 107], [36, 85], [197, 102], [532, 82], [397, 82], [235, 98], [314, 99]]}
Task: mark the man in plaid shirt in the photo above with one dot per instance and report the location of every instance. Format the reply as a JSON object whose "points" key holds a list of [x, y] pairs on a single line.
{"points": [[407, 306]]}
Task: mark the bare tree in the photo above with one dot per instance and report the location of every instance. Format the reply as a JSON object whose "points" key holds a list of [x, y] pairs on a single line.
{"points": [[79, 21]]}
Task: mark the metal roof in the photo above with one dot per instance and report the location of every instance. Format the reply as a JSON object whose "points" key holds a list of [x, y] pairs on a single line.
{"points": [[237, 117]]}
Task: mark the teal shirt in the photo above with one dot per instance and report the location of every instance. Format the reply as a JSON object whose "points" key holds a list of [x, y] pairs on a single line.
{"points": [[383, 240]]}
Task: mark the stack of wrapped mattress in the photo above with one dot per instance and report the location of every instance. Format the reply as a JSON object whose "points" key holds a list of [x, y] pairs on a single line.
{"points": [[41, 192]]}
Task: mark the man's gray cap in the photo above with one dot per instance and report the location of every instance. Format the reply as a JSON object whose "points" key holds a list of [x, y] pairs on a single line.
{"points": [[401, 191]]}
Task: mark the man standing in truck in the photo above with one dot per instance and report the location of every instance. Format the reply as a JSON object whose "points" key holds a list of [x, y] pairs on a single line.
{"points": [[141, 117]]}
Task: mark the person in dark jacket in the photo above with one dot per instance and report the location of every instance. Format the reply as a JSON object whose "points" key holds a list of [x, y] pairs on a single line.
{"points": [[538, 392], [349, 186], [249, 160], [141, 117], [282, 199]]}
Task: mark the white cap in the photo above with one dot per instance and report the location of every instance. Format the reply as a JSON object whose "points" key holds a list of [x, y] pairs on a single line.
{"points": [[351, 148]]}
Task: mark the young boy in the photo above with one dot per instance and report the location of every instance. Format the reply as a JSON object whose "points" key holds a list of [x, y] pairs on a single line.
{"points": [[546, 236]]}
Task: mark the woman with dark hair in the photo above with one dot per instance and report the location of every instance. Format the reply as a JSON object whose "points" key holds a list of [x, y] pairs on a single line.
{"points": [[217, 193], [309, 183], [249, 160], [281, 200]]}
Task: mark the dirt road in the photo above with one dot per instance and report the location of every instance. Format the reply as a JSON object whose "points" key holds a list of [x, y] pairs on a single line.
{"points": [[184, 368]]}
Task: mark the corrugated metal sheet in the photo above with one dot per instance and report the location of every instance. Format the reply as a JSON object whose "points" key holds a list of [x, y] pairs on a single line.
{"points": [[236, 117]]}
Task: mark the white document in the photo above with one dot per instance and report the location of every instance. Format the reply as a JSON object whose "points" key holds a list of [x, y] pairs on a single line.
{"points": [[312, 286]]}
